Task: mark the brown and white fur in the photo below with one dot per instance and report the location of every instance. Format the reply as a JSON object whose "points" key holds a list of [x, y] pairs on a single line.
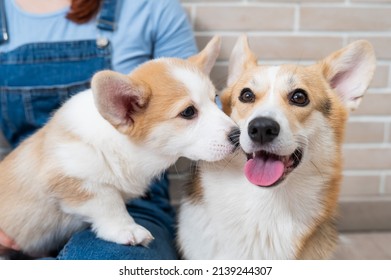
{"points": [[290, 215], [104, 146]]}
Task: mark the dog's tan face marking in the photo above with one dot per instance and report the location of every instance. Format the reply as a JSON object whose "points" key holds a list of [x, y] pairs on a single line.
{"points": [[273, 88], [291, 77], [158, 97], [163, 97], [297, 98], [168, 98]]}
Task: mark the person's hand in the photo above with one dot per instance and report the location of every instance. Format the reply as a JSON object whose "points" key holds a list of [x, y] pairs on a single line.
{"points": [[7, 242]]}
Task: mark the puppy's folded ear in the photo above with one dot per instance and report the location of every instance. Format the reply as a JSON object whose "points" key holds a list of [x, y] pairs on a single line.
{"points": [[349, 71], [118, 98], [206, 59], [241, 59]]}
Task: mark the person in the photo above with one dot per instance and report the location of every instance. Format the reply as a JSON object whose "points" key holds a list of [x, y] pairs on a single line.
{"points": [[49, 51]]}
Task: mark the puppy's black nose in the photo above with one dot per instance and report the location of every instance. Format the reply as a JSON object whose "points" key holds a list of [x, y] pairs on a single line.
{"points": [[234, 136], [263, 130]]}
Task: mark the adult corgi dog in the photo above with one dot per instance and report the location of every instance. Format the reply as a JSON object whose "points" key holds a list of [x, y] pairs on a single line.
{"points": [[104, 146], [278, 198]]}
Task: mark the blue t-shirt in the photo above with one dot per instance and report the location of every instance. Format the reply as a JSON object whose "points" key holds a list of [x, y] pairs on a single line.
{"points": [[146, 29]]}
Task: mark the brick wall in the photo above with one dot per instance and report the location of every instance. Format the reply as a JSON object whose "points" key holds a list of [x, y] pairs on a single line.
{"points": [[302, 31]]}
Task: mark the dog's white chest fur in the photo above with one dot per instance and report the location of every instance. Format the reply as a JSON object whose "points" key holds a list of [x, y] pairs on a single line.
{"points": [[237, 220]]}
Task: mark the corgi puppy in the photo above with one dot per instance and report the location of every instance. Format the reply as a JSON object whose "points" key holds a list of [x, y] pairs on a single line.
{"points": [[277, 199], [104, 146]]}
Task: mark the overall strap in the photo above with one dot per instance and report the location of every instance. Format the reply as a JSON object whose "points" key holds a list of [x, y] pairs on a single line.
{"points": [[3, 24], [106, 18]]}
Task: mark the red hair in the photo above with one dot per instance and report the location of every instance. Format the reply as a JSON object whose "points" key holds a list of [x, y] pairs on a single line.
{"points": [[83, 11]]}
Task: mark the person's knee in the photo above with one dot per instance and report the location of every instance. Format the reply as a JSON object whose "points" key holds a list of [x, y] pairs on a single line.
{"points": [[85, 245]]}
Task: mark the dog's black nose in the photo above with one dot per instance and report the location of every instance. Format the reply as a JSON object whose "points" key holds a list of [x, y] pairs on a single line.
{"points": [[263, 130], [234, 136]]}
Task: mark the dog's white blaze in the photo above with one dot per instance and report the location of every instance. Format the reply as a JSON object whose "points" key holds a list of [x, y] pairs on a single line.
{"points": [[195, 83], [267, 109], [272, 77], [270, 108]]}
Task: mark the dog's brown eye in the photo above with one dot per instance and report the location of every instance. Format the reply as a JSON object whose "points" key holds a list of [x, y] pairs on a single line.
{"points": [[247, 96], [189, 113], [299, 97]]}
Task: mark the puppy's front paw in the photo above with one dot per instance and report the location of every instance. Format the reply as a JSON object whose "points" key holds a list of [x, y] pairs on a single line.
{"points": [[139, 236], [132, 234]]}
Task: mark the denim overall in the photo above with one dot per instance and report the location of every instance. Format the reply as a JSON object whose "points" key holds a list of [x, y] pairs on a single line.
{"points": [[35, 79]]}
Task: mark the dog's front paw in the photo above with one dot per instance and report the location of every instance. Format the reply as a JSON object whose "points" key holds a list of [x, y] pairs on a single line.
{"points": [[132, 234], [139, 236]]}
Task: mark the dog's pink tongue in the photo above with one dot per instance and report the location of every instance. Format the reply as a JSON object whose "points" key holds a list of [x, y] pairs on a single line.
{"points": [[263, 172]]}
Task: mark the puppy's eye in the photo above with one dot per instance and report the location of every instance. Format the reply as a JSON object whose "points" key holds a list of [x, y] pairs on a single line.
{"points": [[247, 96], [299, 97], [189, 113]]}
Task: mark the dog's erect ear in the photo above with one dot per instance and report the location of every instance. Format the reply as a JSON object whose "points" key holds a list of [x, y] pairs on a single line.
{"points": [[241, 59], [349, 71], [118, 98], [206, 59]]}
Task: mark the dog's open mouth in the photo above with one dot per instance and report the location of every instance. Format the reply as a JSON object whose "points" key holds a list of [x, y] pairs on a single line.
{"points": [[265, 169]]}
